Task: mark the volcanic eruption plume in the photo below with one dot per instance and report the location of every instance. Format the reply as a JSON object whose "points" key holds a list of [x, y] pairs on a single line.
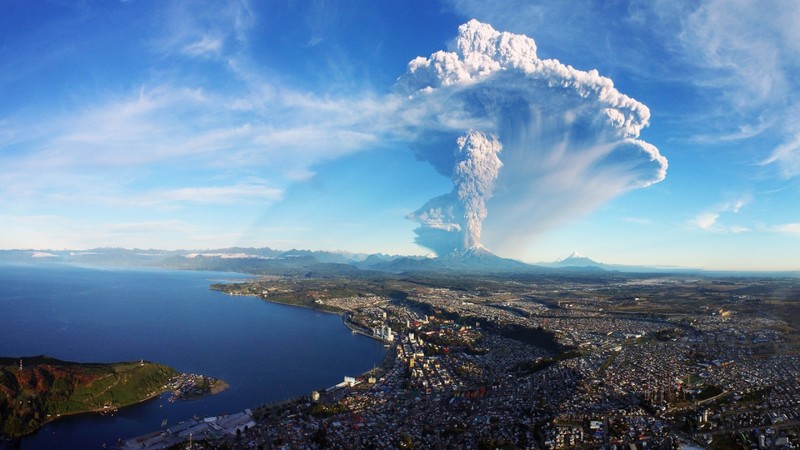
{"points": [[476, 168], [569, 140]]}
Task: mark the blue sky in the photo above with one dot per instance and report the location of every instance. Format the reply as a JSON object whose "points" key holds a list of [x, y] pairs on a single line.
{"points": [[186, 124]]}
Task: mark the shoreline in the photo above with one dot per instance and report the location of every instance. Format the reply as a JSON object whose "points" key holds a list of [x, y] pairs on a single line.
{"points": [[388, 353], [388, 356], [343, 315], [100, 411], [91, 409], [268, 300], [218, 387]]}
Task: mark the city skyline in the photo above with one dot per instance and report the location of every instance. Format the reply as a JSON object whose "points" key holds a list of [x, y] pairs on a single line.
{"points": [[218, 124]]}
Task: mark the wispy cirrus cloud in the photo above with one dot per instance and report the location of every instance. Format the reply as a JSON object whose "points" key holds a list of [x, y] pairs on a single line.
{"points": [[787, 155], [247, 192], [57, 232], [146, 227], [205, 29], [788, 228], [167, 126], [235, 194], [752, 51], [710, 220], [206, 46]]}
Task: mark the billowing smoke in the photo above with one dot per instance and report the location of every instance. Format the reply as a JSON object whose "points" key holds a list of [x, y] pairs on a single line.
{"points": [[569, 140], [461, 212], [474, 176]]}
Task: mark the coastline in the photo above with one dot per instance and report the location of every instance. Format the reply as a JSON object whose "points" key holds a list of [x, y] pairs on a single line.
{"points": [[277, 302], [243, 393], [341, 313], [101, 411], [388, 354], [388, 357], [217, 387]]}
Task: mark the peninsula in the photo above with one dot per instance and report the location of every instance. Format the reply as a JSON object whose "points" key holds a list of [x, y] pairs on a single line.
{"points": [[40, 389]]}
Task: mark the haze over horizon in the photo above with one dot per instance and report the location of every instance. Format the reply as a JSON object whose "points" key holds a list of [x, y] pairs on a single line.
{"points": [[405, 128]]}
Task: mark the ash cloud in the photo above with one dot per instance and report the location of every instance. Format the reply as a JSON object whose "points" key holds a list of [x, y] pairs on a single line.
{"points": [[569, 140], [457, 217]]}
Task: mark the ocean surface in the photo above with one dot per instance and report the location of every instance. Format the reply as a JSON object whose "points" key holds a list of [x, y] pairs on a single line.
{"points": [[266, 352]]}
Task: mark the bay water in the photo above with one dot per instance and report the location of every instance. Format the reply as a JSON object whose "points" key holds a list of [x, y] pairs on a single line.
{"points": [[266, 352]]}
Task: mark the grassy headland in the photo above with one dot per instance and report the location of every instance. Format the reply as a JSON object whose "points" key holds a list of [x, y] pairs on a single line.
{"points": [[45, 388]]}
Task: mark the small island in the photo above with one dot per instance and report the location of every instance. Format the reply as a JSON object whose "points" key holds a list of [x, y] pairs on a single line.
{"points": [[40, 389]]}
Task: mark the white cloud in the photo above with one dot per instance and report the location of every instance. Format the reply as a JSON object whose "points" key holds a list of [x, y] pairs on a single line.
{"points": [[235, 194], [737, 205], [746, 41], [205, 46], [201, 29], [710, 219], [706, 221], [167, 126], [788, 156], [751, 50], [183, 139], [245, 193], [788, 228]]}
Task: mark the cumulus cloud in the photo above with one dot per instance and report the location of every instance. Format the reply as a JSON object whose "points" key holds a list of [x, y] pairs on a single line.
{"points": [[569, 139]]}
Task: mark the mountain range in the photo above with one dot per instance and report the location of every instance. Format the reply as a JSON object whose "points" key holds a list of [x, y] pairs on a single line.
{"points": [[326, 263], [267, 260]]}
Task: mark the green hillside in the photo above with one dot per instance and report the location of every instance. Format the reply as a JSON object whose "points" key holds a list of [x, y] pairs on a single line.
{"points": [[46, 388]]}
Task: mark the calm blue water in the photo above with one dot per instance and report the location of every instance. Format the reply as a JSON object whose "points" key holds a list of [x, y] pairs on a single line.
{"points": [[266, 352]]}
